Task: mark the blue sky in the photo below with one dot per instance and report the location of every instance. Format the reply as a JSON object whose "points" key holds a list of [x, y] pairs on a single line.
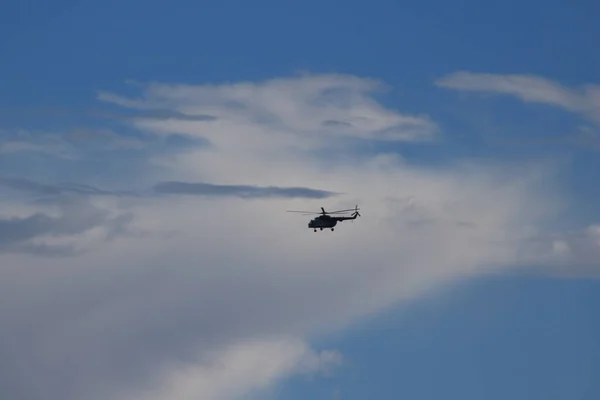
{"points": [[509, 335], [514, 336]]}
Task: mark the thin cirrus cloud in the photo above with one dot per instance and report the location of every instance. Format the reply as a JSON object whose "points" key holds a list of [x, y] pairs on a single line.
{"points": [[98, 113], [169, 187], [584, 101], [30, 186], [243, 191]]}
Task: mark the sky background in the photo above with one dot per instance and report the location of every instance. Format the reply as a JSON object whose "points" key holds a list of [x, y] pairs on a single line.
{"points": [[149, 151]]}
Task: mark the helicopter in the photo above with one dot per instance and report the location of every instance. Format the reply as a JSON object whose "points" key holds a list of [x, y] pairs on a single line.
{"points": [[325, 220]]}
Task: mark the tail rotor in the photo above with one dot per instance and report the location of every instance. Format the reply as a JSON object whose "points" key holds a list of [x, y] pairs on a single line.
{"points": [[356, 213]]}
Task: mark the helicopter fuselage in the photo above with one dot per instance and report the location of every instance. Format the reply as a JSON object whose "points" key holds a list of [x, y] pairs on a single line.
{"points": [[322, 221], [326, 221]]}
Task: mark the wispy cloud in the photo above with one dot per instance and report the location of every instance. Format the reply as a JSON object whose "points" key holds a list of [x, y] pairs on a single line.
{"points": [[69, 144], [239, 370], [30, 186], [103, 113], [584, 100], [571, 254], [41, 234], [325, 105], [244, 191], [167, 187], [23, 141]]}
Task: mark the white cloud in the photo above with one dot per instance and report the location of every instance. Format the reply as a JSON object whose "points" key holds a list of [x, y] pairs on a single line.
{"points": [[66, 145], [68, 226], [23, 141], [239, 370], [305, 110], [529, 88], [233, 274], [568, 254]]}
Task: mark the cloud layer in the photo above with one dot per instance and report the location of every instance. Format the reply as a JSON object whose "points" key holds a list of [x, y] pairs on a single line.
{"points": [[244, 191], [169, 187], [584, 101], [219, 298]]}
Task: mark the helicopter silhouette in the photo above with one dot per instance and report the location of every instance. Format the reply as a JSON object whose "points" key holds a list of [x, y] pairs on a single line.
{"points": [[325, 220]]}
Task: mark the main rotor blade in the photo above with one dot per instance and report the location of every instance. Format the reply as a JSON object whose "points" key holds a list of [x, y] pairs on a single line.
{"points": [[326, 212], [343, 211]]}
